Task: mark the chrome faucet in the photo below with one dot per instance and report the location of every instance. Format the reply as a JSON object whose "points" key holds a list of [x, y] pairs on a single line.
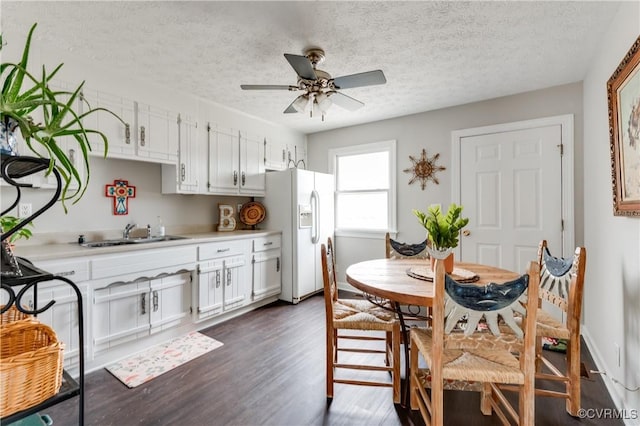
{"points": [[127, 229]]}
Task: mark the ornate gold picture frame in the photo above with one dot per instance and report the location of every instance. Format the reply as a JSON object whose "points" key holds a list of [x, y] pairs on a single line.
{"points": [[623, 93]]}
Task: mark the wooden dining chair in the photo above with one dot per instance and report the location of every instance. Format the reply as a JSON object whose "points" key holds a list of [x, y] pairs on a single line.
{"points": [[475, 355], [365, 317], [561, 285]]}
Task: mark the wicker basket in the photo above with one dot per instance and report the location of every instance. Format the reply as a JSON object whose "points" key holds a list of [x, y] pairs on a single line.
{"points": [[12, 315], [31, 363]]}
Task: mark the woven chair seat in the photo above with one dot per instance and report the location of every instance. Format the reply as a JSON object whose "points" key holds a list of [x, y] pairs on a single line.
{"points": [[361, 314], [484, 364], [548, 326], [424, 377]]}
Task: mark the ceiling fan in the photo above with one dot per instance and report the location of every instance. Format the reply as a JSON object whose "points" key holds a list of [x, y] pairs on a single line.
{"points": [[320, 89]]}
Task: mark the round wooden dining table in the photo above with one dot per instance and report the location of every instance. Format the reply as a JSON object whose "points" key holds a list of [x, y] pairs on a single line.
{"points": [[395, 280], [390, 279]]}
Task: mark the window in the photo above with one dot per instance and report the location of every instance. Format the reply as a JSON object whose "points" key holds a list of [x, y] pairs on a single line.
{"points": [[365, 200]]}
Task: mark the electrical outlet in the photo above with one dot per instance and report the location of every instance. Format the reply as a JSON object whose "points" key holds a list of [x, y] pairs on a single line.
{"points": [[24, 210]]}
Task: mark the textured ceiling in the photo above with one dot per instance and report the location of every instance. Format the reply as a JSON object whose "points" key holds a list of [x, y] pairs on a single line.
{"points": [[434, 54]]}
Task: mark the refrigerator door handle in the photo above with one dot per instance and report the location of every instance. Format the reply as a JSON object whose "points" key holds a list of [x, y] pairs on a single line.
{"points": [[315, 210]]}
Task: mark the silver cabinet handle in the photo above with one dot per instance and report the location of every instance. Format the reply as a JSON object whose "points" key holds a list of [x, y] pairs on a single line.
{"points": [[277, 264], [66, 273], [217, 279], [228, 277], [223, 250], [127, 133], [183, 172], [155, 301], [235, 177], [143, 303], [243, 179], [283, 155], [269, 243], [141, 135]]}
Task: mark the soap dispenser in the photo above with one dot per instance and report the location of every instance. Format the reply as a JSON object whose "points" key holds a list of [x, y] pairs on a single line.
{"points": [[160, 228]]}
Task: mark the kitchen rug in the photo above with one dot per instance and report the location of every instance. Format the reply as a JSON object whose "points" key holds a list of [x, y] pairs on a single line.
{"points": [[159, 359]]}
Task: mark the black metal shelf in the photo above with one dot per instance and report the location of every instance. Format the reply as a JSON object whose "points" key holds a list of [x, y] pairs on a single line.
{"points": [[26, 276]]}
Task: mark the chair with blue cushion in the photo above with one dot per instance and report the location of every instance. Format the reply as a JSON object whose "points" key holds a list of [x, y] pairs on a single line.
{"points": [[561, 285], [467, 349]]}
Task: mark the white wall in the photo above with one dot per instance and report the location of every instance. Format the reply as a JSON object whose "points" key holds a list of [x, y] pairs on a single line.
{"points": [[432, 131], [612, 287]]}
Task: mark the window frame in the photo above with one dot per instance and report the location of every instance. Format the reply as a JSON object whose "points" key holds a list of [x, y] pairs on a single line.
{"points": [[368, 148]]}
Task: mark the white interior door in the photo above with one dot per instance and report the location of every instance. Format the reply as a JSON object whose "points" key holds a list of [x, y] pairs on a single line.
{"points": [[511, 187]]}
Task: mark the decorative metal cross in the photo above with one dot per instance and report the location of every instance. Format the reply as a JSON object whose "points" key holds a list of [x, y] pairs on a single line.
{"points": [[121, 192]]}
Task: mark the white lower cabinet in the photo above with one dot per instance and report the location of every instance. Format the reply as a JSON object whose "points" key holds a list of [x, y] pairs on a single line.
{"points": [[62, 316], [265, 264], [126, 311], [222, 277]]}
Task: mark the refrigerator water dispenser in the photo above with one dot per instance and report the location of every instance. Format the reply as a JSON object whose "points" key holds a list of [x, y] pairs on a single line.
{"points": [[305, 216]]}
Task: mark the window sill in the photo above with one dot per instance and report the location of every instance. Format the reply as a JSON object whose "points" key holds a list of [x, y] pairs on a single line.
{"points": [[364, 233]]}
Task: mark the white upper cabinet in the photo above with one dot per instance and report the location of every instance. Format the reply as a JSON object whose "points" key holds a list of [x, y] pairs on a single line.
{"points": [[252, 177], [236, 162], [149, 133], [183, 176], [121, 137], [275, 154], [157, 134]]}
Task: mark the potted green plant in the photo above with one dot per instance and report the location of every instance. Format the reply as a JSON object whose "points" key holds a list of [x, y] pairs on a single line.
{"points": [[8, 222], [22, 96], [443, 231]]}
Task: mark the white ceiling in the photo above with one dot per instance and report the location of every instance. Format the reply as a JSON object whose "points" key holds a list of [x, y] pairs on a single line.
{"points": [[434, 54]]}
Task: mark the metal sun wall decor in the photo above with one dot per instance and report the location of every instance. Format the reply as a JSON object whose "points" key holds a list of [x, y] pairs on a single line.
{"points": [[424, 169], [121, 191]]}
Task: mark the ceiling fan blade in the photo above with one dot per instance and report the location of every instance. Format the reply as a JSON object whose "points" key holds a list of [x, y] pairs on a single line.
{"points": [[369, 78], [290, 109], [302, 66], [346, 102], [267, 87]]}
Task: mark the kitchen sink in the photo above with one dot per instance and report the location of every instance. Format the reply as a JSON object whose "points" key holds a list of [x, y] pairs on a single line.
{"points": [[137, 240]]}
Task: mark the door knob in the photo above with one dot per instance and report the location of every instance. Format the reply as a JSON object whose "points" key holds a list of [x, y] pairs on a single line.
{"points": [[466, 233]]}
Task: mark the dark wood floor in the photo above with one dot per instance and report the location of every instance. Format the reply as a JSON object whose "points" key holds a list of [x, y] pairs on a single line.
{"points": [[270, 371]]}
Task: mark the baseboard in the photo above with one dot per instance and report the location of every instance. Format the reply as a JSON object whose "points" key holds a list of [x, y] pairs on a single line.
{"points": [[606, 379]]}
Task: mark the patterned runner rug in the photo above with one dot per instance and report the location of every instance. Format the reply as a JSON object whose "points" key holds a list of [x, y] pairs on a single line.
{"points": [[159, 359]]}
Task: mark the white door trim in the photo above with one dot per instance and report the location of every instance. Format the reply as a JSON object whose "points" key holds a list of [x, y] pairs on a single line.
{"points": [[566, 124]]}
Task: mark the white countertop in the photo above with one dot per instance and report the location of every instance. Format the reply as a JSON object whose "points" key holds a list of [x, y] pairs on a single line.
{"points": [[68, 250]]}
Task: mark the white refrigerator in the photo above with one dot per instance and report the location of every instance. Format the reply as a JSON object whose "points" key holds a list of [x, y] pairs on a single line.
{"points": [[300, 203]]}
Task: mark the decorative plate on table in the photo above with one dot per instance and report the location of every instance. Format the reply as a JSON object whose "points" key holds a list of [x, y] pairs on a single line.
{"points": [[252, 213], [425, 273]]}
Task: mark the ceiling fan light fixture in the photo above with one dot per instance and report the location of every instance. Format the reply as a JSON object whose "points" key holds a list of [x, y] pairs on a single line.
{"points": [[323, 101]]}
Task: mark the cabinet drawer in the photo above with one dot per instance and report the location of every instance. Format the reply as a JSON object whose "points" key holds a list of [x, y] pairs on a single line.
{"points": [[266, 243], [77, 270], [221, 249]]}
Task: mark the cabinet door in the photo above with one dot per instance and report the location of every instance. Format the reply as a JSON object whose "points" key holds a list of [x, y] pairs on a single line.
{"points": [[234, 282], [62, 316], [188, 155], [252, 177], [210, 287], [120, 313], [157, 134], [267, 275], [275, 155], [121, 137], [224, 176], [169, 301]]}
